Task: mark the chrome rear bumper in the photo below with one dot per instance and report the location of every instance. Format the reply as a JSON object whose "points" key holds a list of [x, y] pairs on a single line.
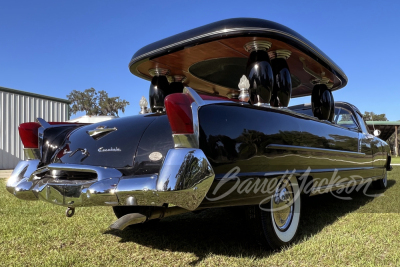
{"points": [[184, 180]]}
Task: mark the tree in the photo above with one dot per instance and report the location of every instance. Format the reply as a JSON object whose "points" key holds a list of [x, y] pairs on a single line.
{"points": [[95, 103], [370, 116]]}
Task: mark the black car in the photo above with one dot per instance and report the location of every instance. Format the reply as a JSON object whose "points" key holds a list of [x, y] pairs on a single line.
{"points": [[218, 133]]}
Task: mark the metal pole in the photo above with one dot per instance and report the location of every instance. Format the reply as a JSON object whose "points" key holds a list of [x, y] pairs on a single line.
{"points": [[396, 143]]}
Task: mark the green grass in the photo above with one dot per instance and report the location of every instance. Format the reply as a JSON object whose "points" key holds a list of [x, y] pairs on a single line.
{"points": [[364, 231], [396, 160]]}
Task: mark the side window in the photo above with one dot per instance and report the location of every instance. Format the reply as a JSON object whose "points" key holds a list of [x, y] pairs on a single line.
{"points": [[346, 119]]}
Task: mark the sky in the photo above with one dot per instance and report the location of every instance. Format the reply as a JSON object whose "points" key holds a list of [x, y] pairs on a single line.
{"points": [[54, 47]]}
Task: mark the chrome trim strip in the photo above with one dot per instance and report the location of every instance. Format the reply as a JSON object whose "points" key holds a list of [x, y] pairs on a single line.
{"points": [[43, 123], [196, 127], [253, 29], [312, 149], [196, 97]]}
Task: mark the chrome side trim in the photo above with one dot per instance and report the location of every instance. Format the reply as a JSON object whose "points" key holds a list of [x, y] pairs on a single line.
{"points": [[32, 153], [196, 127], [312, 149], [197, 99]]}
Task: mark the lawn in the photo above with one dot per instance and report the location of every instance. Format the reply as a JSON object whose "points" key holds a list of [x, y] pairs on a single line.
{"points": [[364, 231], [396, 160]]}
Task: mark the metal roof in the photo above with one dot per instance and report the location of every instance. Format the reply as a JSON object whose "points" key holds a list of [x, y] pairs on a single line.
{"points": [[19, 92], [387, 128]]}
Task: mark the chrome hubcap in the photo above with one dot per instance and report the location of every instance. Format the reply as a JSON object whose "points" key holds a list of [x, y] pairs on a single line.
{"points": [[283, 206]]}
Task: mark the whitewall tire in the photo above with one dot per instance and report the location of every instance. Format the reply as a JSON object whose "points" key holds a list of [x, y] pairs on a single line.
{"points": [[276, 223]]}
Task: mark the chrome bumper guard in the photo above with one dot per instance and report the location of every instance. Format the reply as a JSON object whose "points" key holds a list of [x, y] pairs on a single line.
{"points": [[184, 180]]}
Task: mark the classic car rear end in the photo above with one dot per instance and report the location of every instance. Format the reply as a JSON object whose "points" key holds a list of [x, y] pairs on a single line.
{"points": [[207, 144]]}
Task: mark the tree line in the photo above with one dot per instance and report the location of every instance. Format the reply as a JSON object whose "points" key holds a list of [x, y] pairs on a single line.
{"points": [[96, 103]]}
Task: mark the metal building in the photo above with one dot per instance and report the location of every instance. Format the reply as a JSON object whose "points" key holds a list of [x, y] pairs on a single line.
{"points": [[17, 107]]}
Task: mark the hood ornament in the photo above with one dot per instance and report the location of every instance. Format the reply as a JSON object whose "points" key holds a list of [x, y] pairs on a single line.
{"points": [[244, 86]]}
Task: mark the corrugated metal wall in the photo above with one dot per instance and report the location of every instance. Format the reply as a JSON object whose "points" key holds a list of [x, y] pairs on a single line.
{"points": [[16, 109]]}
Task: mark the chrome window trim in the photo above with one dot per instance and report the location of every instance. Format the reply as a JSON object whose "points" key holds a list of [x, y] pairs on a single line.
{"points": [[354, 118]]}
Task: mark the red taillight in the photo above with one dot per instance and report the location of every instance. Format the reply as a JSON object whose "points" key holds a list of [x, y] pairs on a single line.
{"points": [[179, 113], [29, 134]]}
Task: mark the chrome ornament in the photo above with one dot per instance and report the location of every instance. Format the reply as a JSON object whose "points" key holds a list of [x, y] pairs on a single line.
{"points": [[143, 105], [100, 132], [244, 86]]}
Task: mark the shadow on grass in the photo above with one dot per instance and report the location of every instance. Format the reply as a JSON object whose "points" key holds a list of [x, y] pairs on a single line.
{"points": [[224, 231]]}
